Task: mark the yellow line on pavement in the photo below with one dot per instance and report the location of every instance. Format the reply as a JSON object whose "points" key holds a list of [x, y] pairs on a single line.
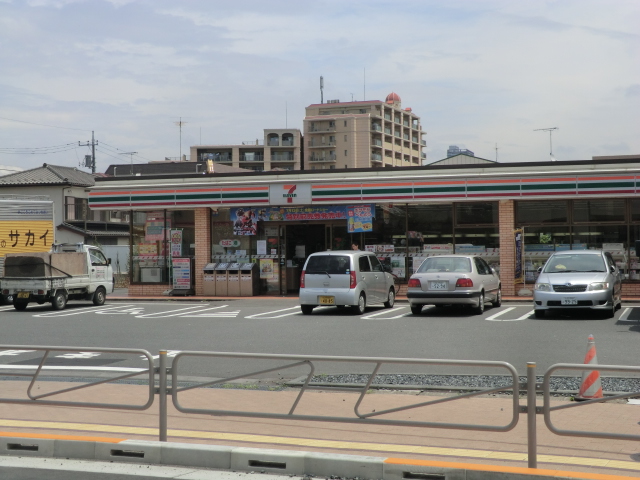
{"points": [[335, 444]]}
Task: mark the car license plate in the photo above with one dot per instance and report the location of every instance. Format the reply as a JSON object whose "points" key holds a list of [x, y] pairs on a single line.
{"points": [[23, 294], [438, 285], [569, 301], [327, 300]]}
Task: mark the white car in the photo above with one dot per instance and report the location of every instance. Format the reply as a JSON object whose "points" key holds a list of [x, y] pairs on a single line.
{"points": [[454, 279], [346, 278]]}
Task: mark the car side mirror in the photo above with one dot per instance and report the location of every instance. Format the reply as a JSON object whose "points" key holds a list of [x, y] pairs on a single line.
{"points": [[387, 268], [108, 261], [612, 269], [539, 269]]}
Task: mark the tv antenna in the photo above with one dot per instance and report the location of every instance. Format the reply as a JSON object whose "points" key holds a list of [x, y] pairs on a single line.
{"points": [[131, 154], [550, 130], [179, 123]]}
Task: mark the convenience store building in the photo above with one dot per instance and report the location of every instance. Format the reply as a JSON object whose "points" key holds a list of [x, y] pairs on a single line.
{"points": [[276, 219]]}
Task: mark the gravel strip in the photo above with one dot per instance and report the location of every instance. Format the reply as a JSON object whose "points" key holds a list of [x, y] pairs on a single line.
{"points": [[557, 383]]}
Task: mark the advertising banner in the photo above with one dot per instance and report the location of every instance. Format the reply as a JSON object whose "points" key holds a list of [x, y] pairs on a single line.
{"points": [[360, 218], [361, 213], [245, 221], [518, 235], [176, 243], [266, 268]]}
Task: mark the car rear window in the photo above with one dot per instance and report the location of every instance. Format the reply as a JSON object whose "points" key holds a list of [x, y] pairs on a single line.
{"points": [[445, 264], [331, 264], [575, 263]]}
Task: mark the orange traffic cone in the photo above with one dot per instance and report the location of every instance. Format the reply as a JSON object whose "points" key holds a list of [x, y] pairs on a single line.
{"points": [[591, 387]]}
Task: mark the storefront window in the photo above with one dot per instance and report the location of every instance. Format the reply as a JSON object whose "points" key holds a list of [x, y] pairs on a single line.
{"points": [[599, 211], [148, 240], [432, 224], [477, 213], [158, 236], [542, 212]]}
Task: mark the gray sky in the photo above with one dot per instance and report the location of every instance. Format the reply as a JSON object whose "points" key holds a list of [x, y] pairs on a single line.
{"points": [[477, 72]]}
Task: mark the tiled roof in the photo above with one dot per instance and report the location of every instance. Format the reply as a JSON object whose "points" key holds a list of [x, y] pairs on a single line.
{"points": [[49, 175]]}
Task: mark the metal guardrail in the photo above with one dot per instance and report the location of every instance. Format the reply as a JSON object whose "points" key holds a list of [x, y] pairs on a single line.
{"points": [[39, 399], [293, 361]]}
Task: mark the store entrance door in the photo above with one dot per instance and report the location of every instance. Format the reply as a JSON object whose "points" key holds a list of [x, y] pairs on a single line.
{"points": [[301, 241]]}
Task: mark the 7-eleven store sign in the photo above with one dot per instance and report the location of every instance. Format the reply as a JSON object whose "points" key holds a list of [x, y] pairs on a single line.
{"points": [[290, 194]]}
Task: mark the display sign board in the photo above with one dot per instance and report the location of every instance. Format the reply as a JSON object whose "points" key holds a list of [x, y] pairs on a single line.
{"points": [[181, 273], [518, 235]]}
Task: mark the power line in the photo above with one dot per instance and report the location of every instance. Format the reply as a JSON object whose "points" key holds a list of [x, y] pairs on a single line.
{"points": [[43, 125]]}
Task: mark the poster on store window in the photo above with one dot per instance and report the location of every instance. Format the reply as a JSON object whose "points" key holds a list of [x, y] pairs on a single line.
{"points": [[266, 268], [176, 243], [360, 218], [245, 221]]}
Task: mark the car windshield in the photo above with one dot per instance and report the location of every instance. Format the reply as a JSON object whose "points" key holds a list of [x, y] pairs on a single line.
{"points": [[331, 264], [445, 264], [575, 263]]}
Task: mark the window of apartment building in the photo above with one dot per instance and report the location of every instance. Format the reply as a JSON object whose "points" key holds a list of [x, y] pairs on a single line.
{"points": [[332, 167], [345, 123], [332, 124], [345, 153], [332, 139], [345, 138]]}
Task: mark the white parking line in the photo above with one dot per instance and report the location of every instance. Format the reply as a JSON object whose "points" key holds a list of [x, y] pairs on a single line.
{"points": [[523, 317], [47, 367], [80, 311], [371, 316], [496, 315], [625, 314], [179, 312], [275, 311], [216, 315]]}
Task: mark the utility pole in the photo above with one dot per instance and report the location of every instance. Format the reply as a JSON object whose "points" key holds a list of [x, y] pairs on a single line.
{"points": [[93, 152], [550, 130]]}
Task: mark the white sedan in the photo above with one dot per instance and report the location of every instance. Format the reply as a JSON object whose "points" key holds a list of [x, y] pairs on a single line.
{"points": [[454, 279]]}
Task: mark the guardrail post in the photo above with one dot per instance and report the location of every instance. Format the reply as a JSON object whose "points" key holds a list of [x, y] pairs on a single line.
{"points": [[531, 415], [162, 391]]}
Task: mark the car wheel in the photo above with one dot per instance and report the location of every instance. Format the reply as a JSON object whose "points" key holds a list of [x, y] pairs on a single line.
{"points": [[306, 309], [19, 304], [611, 312], [416, 309], [480, 308], [498, 301], [391, 299], [99, 296], [362, 303], [539, 313], [59, 301]]}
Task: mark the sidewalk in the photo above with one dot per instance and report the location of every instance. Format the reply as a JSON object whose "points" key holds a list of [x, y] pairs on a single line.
{"points": [[509, 449]]}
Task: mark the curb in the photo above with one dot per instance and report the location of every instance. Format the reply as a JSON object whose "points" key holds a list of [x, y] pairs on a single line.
{"points": [[283, 462]]}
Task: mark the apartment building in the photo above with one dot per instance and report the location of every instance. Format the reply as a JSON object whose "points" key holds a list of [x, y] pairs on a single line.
{"points": [[280, 148], [362, 134]]}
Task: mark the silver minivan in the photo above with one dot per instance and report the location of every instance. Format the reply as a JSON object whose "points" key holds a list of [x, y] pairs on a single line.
{"points": [[578, 279], [345, 278]]}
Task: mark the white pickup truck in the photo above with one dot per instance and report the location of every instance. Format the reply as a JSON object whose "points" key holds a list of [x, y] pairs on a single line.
{"points": [[66, 272]]}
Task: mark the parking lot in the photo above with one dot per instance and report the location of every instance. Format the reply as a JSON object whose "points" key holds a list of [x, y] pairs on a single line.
{"points": [[509, 333]]}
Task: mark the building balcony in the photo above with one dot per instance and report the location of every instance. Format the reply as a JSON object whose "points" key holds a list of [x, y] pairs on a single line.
{"points": [[376, 142], [387, 117], [423, 143], [313, 144], [405, 136], [396, 134], [405, 123], [376, 127], [423, 155], [322, 158], [282, 158], [287, 143], [216, 157], [387, 131], [397, 120], [414, 139], [252, 158], [375, 157], [322, 129]]}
